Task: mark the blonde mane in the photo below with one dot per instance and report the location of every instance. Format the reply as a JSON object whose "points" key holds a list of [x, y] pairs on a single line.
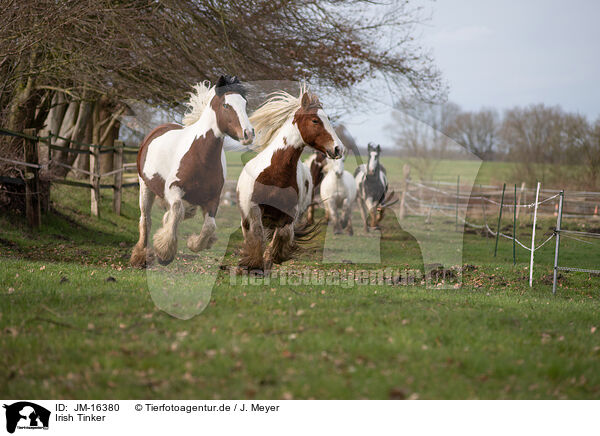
{"points": [[270, 117], [198, 101]]}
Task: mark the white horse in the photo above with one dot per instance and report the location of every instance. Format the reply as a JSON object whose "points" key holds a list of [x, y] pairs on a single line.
{"points": [[272, 185], [185, 165], [338, 192], [305, 196]]}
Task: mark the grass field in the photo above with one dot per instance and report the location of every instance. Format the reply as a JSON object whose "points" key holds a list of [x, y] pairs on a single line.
{"points": [[77, 322]]}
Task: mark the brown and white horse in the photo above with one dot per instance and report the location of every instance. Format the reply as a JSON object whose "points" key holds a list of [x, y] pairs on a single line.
{"points": [[185, 166], [274, 184]]}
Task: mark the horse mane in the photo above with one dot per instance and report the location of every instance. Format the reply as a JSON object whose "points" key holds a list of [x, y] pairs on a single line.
{"points": [[270, 117], [198, 101]]}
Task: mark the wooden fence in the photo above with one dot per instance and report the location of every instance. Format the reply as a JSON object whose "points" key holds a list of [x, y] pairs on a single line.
{"points": [[31, 145]]}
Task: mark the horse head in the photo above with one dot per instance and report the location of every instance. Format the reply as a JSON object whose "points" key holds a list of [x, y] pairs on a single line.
{"points": [[229, 105], [373, 163], [337, 166], [315, 128]]}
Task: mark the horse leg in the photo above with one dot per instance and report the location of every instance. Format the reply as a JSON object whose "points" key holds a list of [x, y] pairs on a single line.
{"points": [[207, 236], [269, 252], [283, 245], [363, 213], [165, 239], [139, 255], [335, 217], [190, 212], [310, 214], [253, 246], [380, 215], [347, 220], [373, 217]]}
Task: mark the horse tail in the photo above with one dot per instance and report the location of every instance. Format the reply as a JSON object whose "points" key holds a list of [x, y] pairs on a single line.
{"points": [[305, 232], [198, 101]]}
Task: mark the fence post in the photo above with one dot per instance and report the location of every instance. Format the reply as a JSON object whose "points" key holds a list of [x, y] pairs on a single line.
{"points": [[499, 220], [537, 196], [557, 232], [45, 155], [457, 199], [515, 228], [32, 190], [521, 192], [406, 174], [95, 180], [118, 183]]}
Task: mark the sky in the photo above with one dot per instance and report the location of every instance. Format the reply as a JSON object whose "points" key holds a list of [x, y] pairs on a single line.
{"points": [[505, 54]]}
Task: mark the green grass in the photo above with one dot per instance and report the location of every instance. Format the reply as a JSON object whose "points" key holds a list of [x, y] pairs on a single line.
{"points": [[68, 332], [445, 170]]}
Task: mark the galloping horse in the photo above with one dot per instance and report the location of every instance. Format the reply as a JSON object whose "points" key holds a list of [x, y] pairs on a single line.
{"points": [[338, 192], [185, 165], [372, 187], [273, 184]]}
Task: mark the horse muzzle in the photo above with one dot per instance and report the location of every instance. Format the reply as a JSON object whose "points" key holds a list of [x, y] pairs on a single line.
{"points": [[247, 137], [336, 153]]}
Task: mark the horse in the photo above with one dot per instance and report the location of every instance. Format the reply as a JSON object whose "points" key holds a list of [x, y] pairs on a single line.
{"points": [[338, 192], [316, 164], [185, 166], [372, 187], [273, 185], [305, 197]]}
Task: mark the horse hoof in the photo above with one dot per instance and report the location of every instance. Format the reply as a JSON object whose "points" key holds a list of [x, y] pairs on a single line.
{"points": [[211, 241], [164, 262]]}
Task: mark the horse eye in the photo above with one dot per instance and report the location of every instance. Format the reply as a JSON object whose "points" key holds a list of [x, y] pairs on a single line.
{"points": [[226, 106], [316, 121]]}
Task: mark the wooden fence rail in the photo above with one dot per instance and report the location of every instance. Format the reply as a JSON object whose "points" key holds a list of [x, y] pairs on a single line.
{"points": [[31, 143]]}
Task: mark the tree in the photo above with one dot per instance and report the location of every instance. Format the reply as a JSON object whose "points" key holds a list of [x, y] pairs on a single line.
{"points": [[420, 130], [476, 131], [589, 153], [82, 60], [531, 137]]}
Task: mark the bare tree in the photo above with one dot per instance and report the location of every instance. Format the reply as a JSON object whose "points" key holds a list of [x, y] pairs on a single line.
{"points": [[476, 131], [532, 138], [66, 64], [420, 129]]}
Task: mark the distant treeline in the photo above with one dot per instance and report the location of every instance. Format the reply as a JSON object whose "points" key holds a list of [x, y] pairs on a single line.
{"points": [[545, 143]]}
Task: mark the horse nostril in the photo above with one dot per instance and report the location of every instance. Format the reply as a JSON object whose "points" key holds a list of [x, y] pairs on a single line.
{"points": [[337, 150], [248, 134]]}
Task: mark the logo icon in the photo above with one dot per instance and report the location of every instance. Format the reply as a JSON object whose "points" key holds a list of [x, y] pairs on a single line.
{"points": [[26, 415]]}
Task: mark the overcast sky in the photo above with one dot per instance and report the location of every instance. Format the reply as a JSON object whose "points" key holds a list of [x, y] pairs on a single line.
{"points": [[508, 53]]}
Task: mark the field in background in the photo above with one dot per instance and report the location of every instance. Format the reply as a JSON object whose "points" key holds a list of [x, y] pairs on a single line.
{"points": [[77, 322], [446, 170]]}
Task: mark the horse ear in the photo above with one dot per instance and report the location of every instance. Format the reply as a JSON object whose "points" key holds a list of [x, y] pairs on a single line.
{"points": [[378, 148], [305, 101], [369, 147], [221, 82]]}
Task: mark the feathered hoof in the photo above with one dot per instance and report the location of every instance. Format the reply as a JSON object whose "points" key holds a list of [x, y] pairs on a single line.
{"points": [[198, 242], [195, 243], [165, 247], [350, 231], [211, 241], [141, 257]]}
